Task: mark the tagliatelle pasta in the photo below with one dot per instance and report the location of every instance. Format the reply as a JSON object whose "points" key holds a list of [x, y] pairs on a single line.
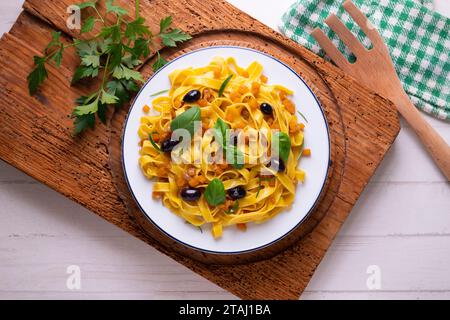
{"points": [[223, 95]]}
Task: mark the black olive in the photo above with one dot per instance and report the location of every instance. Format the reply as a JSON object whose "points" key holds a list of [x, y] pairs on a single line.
{"points": [[192, 96], [168, 145], [266, 108], [277, 163], [237, 193], [190, 194]]}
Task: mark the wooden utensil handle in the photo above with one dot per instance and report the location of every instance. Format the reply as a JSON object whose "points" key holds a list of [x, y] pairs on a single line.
{"points": [[435, 144]]}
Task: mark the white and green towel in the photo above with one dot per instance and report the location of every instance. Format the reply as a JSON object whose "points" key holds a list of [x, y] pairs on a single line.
{"points": [[418, 39]]}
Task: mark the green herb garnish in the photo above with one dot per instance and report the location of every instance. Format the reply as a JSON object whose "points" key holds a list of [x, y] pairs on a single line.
{"points": [[187, 120], [232, 152], [220, 130], [215, 192], [234, 209], [282, 144], [303, 116], [150, 137], [112, 54], [237, 157], [224, 85], [260, 180], [158, 93], [159, 63]]}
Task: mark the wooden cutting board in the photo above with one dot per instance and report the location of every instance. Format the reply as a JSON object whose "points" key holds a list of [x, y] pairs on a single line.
{"points": [[35, 134]]}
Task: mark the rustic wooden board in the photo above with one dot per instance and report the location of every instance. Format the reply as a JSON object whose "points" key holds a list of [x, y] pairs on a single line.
{"points": [[35, 134]]}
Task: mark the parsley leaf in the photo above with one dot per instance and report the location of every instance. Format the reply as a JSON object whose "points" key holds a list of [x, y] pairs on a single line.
{"points": [[101, 112], [112, 32], [38, 75], [108, 98], [117, 89], [122, 89], [55, 42], [136, 28], [159, 63], [141, 48], [171, 38], [91, 61], [82, 123], [165, 23], [116, 50], [58, 55], [88, 25], [84, 5], [122, 72], [130, 61], [110, 7], [89, 108], [84, 72], [85, 48]]}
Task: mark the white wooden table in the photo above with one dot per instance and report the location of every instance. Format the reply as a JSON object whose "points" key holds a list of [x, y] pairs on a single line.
{"points": [[401, 224]]}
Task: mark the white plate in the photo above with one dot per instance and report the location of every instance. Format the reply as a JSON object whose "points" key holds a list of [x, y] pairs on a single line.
{"points": [[257, 236]]}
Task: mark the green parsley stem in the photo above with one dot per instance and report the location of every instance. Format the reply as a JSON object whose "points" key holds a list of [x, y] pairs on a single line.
{"points": [[105, 74], [137, 9], [99, 15]]}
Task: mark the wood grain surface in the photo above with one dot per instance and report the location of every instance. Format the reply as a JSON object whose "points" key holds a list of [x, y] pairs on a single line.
{"points": [[35, 136]]}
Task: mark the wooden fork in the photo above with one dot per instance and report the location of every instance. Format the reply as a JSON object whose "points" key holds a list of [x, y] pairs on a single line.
{"points": [[375, 69]]}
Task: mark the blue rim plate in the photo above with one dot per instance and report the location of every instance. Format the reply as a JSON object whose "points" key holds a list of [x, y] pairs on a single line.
{"points": [[257, 236]]}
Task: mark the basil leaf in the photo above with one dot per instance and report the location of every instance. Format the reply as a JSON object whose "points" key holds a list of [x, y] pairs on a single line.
{"points": [[187, 120], [224, 85], [282, 144], [220, 130], [237, 157], [233, 155], [215, 192]]}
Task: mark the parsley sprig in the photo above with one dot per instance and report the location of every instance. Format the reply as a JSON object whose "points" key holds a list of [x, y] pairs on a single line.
{"points": [[112, 55]]}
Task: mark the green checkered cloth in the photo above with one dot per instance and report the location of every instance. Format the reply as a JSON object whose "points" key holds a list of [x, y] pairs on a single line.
{"points": [[417, 37]]}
